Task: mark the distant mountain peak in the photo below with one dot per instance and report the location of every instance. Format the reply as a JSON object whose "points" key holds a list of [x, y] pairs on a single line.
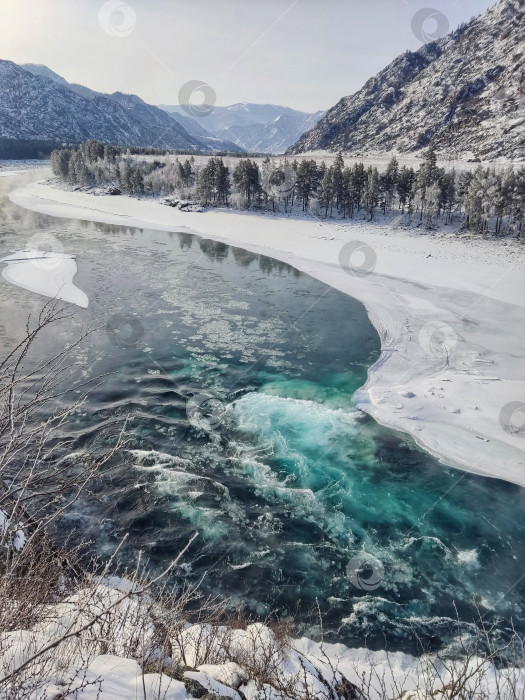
{"points": [[257, 128], [127, 119], [40, 69]]}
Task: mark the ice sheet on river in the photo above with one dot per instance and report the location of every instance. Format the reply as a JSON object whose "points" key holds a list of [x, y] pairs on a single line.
{"points": [[46, 273]]}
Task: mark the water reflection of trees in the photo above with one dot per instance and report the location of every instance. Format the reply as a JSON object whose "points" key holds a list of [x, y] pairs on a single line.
{"points": [[271, 265], [185, 240], [217, 252], [12, 217], [214, 250], [114, 229], [243, 257]]}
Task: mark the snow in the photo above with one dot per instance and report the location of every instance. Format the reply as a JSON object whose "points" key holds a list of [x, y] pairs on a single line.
{"points": [[122, 679], [229, 673], [19, 539], [44, 272], [212, 685], [19, 536], [316, 664], [309, 666], [466, 292], [106, 677]]}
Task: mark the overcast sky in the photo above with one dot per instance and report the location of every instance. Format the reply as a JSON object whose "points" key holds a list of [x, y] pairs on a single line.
{"points": [[305, 54]]}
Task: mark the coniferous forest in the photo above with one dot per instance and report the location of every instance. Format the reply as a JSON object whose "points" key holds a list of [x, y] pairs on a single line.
{"points": [[481, 200]]}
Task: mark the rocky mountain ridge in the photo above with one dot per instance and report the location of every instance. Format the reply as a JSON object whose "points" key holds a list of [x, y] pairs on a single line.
{"points": [[463, 94]]}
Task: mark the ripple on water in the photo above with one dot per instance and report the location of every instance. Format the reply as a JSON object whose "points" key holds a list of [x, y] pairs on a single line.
{"points": [[294, 482]]}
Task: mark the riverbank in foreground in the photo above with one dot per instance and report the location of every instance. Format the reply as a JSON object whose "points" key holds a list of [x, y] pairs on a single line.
{"points": [[449, 309]]}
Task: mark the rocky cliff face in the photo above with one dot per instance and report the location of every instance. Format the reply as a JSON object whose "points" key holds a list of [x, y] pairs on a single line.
{"points": [[463, 94]]}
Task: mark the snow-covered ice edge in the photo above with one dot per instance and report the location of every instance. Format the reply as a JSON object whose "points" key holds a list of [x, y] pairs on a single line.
{"points": [[470, 291]]}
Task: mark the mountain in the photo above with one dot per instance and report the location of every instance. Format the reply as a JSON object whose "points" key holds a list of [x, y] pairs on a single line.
{"points": [[462, 94], [39, 69], [261, 128], [205, 136], [44, 71], [271, 137], [128, 120], [38, 103], [147, 114], [43, 107], [240, 114]]}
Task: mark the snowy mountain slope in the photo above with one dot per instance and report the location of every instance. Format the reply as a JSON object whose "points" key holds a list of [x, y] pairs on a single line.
{"points": [[155, 120], [40, 106], [40, 69], [44, 71], [195, 129], [259, 128], [245, 113], [271, 137], [463, 94], [149, 115], [240, 114]]}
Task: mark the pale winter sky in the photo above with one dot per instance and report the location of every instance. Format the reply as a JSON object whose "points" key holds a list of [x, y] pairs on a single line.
{"points": [[305, 54]]}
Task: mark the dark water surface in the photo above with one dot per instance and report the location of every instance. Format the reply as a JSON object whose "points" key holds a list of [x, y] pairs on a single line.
{"points": [[236, 374]]}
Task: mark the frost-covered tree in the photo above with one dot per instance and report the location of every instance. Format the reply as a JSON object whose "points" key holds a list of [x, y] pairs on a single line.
{"points": [[338, 180], [306, 183], [359, 180], [246, 178], [485, 200], [60, 162], [326, 191], [214, 183], [388, 183], [372, 192], [405, 184]]}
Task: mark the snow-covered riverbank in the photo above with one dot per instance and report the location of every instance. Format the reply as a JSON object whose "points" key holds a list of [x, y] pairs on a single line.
{"points": [[122, 656], [449, 311]]}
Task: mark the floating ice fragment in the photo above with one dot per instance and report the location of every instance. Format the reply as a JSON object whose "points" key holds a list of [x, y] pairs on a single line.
{"points": [[49, 274]]}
